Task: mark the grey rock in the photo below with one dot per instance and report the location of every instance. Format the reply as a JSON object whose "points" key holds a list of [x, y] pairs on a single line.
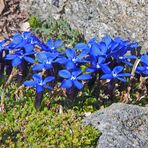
{"points": [[121, 125], [126, 18]]}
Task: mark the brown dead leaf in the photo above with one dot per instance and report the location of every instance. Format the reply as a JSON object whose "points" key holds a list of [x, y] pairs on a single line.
{"points": [[2, 6]]}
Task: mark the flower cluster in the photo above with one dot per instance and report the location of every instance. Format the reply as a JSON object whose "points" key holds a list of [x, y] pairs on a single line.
{"points": [[49, 65]]}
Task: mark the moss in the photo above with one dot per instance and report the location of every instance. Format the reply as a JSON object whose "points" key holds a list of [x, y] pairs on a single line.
{"points": [[24, 126]]}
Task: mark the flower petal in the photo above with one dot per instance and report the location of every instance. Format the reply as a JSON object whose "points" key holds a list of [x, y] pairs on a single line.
{"points": [[70, 53], [37, 77], [30, 83], [38, 67], [77, 84], [70, 65], [64, 74], [107, 76], [16, 61], [66, 84], [81, 46], [124, 75], [76, 72], [39, 88], [48, 79], [29, 59], [121, 79], [118, 69], [84, 77]]}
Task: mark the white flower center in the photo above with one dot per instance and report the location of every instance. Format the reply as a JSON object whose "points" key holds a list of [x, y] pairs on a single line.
{"points": [[147, 67], [98, 66], [48, 62], [120, 58], [114, 74], [73, 78], [74, 59]]}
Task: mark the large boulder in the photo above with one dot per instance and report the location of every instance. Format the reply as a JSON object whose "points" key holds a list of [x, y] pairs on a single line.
{"points": [[126, 18], [121, 125]]}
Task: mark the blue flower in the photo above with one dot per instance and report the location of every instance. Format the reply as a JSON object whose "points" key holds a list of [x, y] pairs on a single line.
{"points": [[115, 74], [52, 45], [73, 78], [144, 68], [86, 48], [39, 83], [46, 60], [25, 40], [97, 64], [125, 59], [73, 58], [19, 56]]}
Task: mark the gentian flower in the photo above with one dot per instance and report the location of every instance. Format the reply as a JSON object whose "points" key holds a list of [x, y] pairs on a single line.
{"points": [[86, 48], [125, 58], [144, 68], [73, 78], [115, 74], [73, 59], [39, 83], [97, 64], [19, 40], [46, 60], [19, 56], [53, 45]]}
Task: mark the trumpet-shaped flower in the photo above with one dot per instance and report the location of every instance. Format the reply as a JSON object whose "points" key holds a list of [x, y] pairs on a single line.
{"points": [[39, 83], [115, 74], [73, 78]]}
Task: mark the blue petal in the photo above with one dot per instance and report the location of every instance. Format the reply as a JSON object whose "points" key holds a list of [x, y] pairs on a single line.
{"points": [[48, 79], [28, 59], [70, 65], [130, 57], [61, 60], [107, 76], [105, 68], [124, 75], [81, 46], [64, 74], [41, 57], [38, 67], [39, 88], [29, 47], [84, 77], [48, 66], [95, 51], [77, 84], [107, 39], [58, 43], [66, 84], [10, 56], [30, 83], [37, 77], [70, 53], [144, 59], [91, 69], [121, 79], [76, 72], [16, 61], [118, 69]]}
